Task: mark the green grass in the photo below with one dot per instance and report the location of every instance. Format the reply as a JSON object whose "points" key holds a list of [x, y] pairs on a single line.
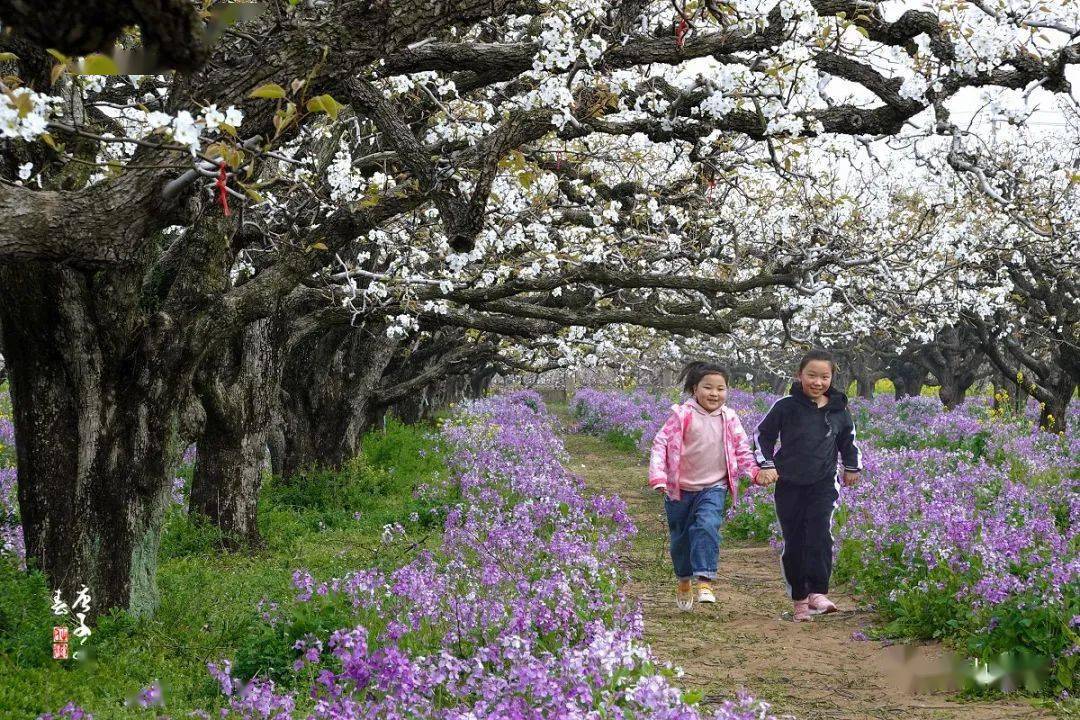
{"points": [[209, 598], [623, 441]]}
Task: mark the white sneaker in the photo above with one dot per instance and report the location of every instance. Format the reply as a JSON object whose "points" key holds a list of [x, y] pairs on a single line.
{"points": [[705, 593], [684, 597]]}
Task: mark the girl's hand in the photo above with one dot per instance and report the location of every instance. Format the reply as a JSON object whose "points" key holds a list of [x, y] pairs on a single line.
{"points": [[850, 478], [767, 476], [661, 489]]}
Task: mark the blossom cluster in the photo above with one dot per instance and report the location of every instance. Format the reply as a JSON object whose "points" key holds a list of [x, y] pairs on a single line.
{"points": [[24, 114]]}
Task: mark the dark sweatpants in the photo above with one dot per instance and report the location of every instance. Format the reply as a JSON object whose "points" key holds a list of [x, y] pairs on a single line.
{"points": [[805, 514]]}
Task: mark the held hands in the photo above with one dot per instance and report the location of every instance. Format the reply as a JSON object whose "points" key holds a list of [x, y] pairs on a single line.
{"points": [[766, 477]]}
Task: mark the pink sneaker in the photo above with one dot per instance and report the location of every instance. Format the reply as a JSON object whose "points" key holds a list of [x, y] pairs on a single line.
{"points": [[820, 604], [802, 611]]}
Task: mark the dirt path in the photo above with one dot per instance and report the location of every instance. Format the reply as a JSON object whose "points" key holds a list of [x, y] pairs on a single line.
{"points": [[815, 671]]}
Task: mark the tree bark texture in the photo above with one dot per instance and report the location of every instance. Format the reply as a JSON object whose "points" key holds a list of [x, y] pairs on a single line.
{"points": [[95, 409], [239, 385], [328, 394]]}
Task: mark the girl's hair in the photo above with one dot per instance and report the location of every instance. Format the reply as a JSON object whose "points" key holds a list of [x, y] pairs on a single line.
{"points": [[691, 374], [813, 355]]}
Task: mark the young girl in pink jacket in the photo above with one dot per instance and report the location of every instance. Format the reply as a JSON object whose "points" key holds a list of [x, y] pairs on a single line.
{"points": [[696, 460]]}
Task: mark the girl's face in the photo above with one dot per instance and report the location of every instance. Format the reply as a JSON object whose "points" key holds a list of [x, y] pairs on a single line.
{"points": [[815, 378], [711, 392]]}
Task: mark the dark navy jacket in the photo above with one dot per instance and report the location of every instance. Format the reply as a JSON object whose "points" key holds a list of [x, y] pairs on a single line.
{"points": [[810, 437]]}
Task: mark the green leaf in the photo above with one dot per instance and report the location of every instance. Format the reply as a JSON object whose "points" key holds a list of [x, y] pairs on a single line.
{"points": [[693, 697], [24, 104], [215, 150], [8, 56], [272, 91], [59, 55], [318, 246], [326, 104], [252, 193], [284, 117], [98, 64]]}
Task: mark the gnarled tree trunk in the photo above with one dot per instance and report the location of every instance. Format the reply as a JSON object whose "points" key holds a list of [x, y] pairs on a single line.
{"points": [[239, 385], [954, 359], [1054, 412], [328, 395], [953, 394], [842, 379], [101, 367], [864, 385], [907, 378], [480, 381], [96, 401], [275, 443], [434, 374], [1050, 379]]}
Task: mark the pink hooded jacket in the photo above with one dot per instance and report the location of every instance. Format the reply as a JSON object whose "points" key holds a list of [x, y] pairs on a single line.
{"points": [[666, 458]]}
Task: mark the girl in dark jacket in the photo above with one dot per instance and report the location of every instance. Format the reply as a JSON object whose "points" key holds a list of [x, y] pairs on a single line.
{"points": [[813, 425]]}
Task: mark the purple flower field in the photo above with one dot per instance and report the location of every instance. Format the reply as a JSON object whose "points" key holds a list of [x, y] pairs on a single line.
{"points": [[517, 614], [966, 525], [517, 611], [613, 413], [11, 536], [638, 415]]}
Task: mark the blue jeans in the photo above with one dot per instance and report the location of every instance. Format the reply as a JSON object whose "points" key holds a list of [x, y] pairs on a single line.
{"points": [[694, 529]]}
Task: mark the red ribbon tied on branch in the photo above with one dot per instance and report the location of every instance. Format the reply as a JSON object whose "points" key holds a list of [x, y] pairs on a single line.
{"points": [[221, 183], [680, 33]]}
